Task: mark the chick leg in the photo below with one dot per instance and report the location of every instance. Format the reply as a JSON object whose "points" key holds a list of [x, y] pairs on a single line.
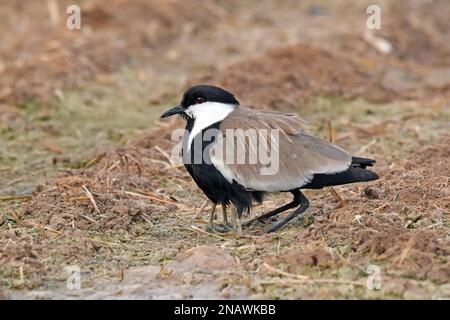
{"points": [[236, 220], [225, 217], [217, 228]]}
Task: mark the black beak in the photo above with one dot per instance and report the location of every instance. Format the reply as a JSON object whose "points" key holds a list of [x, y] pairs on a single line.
{"points": [[171, 112]]}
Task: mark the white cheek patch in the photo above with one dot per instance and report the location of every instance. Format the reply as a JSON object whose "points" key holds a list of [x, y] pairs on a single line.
{"points": [[206, 114]]}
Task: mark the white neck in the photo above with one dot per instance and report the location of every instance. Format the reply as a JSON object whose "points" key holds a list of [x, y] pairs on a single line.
{"points": [[206, 114]]}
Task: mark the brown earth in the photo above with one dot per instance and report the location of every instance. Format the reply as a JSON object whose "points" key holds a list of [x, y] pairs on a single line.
{"points": [[129, 214], [399, 222], [106, 42]]}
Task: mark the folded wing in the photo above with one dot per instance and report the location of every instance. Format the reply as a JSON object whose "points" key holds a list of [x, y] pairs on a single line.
{"points": [[269, 151]]}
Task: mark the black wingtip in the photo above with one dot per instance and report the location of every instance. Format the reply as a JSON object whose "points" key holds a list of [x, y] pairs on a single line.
{"points": [[363, 162], [370, 175], [354, 174]]}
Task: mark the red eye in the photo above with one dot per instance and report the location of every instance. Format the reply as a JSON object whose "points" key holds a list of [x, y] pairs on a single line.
{"points": [[200, 100]]}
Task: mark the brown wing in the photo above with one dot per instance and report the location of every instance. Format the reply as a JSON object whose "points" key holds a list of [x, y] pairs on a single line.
{"points": [[268, 151]]}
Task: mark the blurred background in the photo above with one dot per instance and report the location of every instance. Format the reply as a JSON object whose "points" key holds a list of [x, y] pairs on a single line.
{"points": [[82, 103]]}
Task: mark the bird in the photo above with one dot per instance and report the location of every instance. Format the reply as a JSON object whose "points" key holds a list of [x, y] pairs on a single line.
{"points": [[213, 115]]}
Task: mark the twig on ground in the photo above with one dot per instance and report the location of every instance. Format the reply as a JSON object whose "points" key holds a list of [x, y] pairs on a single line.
{"points": [[312, 281], [79, 198], [367, 146], [139, 165], [331, 134], [15, 197], [94, 160], [115, 164], [176, 166], [299, 279], [206, 232], [166, 165], [334, 193], [165, 154], [92, 199], [38, 225], [199, 212], [147, 219], [89, 218], [284, 273], [152, 196]]}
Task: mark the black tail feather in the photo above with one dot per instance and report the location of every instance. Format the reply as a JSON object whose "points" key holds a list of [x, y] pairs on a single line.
{"points": [[356, 173], [362, 162]]}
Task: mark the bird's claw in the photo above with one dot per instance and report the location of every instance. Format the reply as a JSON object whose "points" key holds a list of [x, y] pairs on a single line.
{"points": [[273, 228], [221, 228], [252, 221]]}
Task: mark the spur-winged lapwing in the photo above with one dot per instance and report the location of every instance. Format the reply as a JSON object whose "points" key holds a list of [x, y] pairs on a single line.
{"points": [[303, 161]]}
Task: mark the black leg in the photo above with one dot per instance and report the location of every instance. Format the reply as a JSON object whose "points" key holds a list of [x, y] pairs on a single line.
{"points": [[295, 202], [304, 204]]}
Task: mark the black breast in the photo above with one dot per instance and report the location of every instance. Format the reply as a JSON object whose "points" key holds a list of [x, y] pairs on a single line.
{"points": [[208, 178]]}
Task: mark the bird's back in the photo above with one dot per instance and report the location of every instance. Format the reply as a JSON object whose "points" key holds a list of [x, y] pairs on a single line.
{"points": [[296, 154]]}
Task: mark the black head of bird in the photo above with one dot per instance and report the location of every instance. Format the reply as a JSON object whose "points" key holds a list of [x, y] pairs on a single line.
{"points": [[202, 99], [303, 160]]}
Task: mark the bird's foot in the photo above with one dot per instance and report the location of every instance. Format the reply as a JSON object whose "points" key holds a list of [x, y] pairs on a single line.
{"points": [[221, 228], [238, 227], [252, 221], [227, 224], [274, 227]]}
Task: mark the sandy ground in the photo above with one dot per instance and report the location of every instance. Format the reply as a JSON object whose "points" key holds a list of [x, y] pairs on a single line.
{"points": [[90, 129]]}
